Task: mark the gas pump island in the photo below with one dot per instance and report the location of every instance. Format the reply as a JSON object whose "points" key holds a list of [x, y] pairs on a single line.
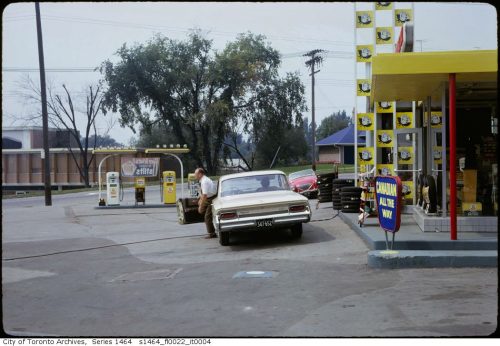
{"points": [[139, 168]]}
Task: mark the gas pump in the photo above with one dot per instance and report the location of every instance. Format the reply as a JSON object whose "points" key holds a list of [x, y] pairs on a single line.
{"points": [[193, 186], [113, 188], [140, 190], [169, 187]]}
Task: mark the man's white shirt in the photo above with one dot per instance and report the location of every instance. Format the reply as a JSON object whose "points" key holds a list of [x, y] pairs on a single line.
{"points": [[208, 187]]}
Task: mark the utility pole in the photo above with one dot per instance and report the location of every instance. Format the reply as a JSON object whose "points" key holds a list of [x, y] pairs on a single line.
{"points": [[315, 59], [45, 121]]}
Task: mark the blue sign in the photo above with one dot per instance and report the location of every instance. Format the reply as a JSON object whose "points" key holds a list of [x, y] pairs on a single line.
{"points": [[388, 194]]}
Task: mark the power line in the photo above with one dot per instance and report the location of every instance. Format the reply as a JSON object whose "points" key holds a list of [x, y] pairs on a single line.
{"points": [[83, 20]]}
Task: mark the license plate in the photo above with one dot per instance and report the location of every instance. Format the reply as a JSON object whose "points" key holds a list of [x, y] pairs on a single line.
{"points": [[265, 223]]}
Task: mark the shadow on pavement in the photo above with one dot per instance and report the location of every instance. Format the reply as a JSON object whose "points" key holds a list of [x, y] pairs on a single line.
{"points": [[273, 238]]}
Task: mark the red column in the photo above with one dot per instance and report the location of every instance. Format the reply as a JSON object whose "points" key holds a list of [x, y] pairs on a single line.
{"points": [[453, 157]]}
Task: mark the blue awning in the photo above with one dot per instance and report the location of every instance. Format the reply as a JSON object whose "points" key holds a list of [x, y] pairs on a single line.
{"points": [[343, 137]]}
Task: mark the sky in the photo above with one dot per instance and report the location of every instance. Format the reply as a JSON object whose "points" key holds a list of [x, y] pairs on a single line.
{"points": [[83, 35]]}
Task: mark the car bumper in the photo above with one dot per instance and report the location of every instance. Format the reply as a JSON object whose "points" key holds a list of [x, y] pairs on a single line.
{"points": [[250, 223]]}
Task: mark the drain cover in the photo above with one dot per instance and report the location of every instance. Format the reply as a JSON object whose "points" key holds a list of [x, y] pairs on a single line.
{"points": [[255, 274], [148, 275]]}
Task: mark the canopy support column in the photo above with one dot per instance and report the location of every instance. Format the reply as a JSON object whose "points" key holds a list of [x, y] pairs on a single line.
{"points": [[453, 156]]}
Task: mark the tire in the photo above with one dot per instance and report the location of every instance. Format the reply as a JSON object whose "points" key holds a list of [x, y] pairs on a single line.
{"points": [[337, 206], [344, 181], [350, 197], [324, 182], [340, 182], [331, 175], [224, 238], [432, 194], [350, 201], [181, 216], [351, 189], [350, 206], [350, 194], [296, 231]]}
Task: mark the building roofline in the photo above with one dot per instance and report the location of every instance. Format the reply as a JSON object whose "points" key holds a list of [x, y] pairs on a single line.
{"points": [[26, 151], [27, 128], [343, 144]]}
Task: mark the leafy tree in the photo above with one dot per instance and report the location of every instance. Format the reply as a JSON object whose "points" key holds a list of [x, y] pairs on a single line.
{"points": [[333, 123], [203, 96], [291, 143]]}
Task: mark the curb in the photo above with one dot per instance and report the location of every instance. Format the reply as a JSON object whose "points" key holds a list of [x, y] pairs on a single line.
{"points": [[432, 259], [137, 206], [427, 254]]}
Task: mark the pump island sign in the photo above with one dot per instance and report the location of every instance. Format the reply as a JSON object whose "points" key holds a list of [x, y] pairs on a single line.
{"points": [[389, 192], [140, 167]]}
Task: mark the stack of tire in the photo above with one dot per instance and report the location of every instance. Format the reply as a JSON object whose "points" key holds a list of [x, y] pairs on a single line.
{"points": [[324, 181], [350, 197], [337, 185]]}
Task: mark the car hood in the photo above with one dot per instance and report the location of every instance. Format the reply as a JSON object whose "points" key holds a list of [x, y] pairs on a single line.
{"points": [[258, 199], [303, 180]]}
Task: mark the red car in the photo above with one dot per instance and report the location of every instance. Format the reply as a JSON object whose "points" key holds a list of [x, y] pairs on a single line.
{"points": [[304, 182]]}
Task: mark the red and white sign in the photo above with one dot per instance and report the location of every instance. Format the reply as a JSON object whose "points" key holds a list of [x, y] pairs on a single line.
{"points": [[405, 40]]}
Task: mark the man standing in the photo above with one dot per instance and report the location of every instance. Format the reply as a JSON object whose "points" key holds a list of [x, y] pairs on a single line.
{"points": [[208, 192]]}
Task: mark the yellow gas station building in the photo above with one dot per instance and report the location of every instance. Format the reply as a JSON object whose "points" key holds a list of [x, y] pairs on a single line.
{"points": [[454, 134]]}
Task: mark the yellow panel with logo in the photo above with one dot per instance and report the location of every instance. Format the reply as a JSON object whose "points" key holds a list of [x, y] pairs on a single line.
{"points": [[169, 187]]}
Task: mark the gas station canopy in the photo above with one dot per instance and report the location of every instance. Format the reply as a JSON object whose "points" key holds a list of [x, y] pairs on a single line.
{"points": [[141, 150], [166, 151], [415, 76]]}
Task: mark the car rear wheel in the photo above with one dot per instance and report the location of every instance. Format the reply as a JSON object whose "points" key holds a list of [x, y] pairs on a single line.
{"points": [[224, 238], [296, 231]]}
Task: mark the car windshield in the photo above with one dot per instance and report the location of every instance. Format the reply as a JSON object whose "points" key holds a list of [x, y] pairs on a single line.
{"points": [[253, 184], [304, 173]]}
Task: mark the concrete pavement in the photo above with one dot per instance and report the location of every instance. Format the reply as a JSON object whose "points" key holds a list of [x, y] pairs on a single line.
{"points": [[72, 270]]}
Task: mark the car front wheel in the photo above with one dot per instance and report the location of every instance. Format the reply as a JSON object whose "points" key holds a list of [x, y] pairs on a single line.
{"points": [[224, 238], [296, 231]]}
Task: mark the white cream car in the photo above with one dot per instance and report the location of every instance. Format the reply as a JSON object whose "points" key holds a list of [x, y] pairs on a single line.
{"points": [[258, 200]]}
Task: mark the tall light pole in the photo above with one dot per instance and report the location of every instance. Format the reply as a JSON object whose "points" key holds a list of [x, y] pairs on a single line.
{"points": [[315, 59], [45, 121]]}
